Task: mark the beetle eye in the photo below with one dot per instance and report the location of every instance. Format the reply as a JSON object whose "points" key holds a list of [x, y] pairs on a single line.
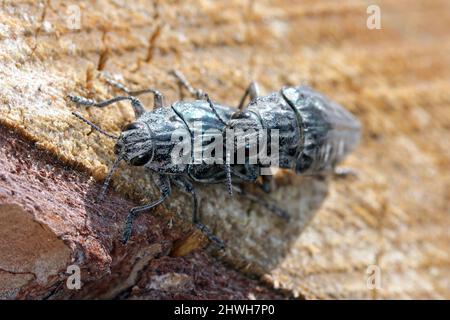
{"points": [[117, 149], [140, 160], [133, 126], [240, 115]]}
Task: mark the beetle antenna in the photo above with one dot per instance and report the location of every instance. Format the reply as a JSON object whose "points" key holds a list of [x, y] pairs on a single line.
{"points": [[108, 178], [211, 105], [116, 162], [93, 126], [228, 174]]}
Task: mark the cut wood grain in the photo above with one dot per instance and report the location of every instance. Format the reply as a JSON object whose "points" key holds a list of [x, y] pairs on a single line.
{"points": [[394, 215]]}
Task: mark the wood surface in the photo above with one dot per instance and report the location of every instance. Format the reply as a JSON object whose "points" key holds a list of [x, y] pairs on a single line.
{"points": [[394, 214]]}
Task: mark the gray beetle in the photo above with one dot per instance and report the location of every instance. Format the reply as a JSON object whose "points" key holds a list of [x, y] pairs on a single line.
{"points": [[315, 133], [148, 141]]}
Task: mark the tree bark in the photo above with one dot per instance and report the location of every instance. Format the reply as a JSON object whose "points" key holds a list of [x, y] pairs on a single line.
{"points": [[389, 223]]}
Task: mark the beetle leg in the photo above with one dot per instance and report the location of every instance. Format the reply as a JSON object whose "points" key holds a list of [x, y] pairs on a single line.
{"points": [[158, 97], [198, 93], [184, 83], [252, 91], [135, 102], [115, 84], [251, 171], [205, 230], [266, 183], [227, 166], [164, 186], [187, 187], [268, 205], [212, 179], [250, 174]]}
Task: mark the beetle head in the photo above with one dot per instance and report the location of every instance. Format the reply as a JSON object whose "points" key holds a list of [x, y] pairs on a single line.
{"points": [[135, 144]]}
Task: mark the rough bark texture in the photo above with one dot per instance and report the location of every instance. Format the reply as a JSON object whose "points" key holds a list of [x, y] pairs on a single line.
{"points": [[394, 214], [50, 219]]}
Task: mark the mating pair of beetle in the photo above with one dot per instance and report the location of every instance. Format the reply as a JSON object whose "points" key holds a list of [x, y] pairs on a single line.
{"points": [[314, 134]]}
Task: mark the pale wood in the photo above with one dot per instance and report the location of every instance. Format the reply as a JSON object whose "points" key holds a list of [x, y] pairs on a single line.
{"points": [[394, 214]]}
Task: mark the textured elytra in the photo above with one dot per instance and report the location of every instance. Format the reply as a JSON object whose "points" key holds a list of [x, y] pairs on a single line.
{"points": [[329, 131], [394, 79], [320, 131], [315, 133]]}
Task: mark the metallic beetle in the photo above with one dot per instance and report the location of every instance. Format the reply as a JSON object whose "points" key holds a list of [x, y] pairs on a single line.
{"points": [[315, 134]]}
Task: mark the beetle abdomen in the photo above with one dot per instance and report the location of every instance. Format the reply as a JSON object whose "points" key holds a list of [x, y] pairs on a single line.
{"points": [[274, 113], [330, 132]]}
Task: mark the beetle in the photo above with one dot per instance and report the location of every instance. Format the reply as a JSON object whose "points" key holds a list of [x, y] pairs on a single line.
{"points": [[315, 133], [148, 141]]}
